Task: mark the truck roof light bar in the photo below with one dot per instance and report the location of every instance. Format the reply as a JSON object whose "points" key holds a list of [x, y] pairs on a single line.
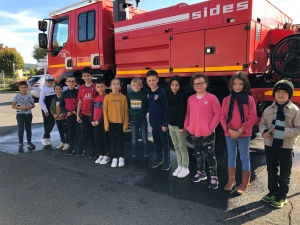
{"points": [[73, 6]]}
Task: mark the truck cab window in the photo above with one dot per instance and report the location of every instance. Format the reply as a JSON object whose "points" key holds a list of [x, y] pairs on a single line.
{"points": [[86, 26], [60, 35]]}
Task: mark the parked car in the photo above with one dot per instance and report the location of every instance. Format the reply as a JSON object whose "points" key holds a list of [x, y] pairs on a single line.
{"points": [[35, 85]]}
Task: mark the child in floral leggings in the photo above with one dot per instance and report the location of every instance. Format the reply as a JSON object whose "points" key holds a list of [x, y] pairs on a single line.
{"points": [[202, 117]]}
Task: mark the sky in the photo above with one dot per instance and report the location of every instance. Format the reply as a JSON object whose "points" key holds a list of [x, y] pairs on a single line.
{"points": [[19, 19]]}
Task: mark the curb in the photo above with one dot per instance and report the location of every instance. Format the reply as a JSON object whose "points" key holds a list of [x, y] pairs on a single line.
{"points": [[7, 92]]}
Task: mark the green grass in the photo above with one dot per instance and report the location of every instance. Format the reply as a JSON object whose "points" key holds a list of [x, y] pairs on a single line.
{"points": [[4, 89]]}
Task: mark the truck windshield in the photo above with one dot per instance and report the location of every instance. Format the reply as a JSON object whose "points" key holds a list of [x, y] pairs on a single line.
{"points": [[60, 35]]}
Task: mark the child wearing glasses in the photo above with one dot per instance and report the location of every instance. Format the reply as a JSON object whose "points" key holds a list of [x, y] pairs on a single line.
{"points": [[202, 117], [69, 107]]}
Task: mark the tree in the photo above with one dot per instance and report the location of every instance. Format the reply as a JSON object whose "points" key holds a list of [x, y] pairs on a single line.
{"points": [[10, 61], [38, 53], [33, 71]]}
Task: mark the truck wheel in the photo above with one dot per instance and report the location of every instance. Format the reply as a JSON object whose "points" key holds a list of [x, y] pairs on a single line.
{"points": [[285, 57]]}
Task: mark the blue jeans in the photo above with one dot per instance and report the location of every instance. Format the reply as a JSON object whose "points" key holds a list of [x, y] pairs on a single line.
{"points": [[161, 144], [244, 144], [139, 123]]}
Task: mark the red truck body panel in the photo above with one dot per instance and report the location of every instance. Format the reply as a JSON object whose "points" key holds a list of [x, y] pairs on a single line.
{"points": [[175, 40]]}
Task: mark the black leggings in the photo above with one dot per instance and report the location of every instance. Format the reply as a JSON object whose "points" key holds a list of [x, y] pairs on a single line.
{"points": [[102, 139], [49, 123], [205, 148], [89, 130], [116, 139]]}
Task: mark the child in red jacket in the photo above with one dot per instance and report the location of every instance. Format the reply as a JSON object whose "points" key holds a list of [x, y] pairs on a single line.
{"points": [[238, 116], [201, 119]]}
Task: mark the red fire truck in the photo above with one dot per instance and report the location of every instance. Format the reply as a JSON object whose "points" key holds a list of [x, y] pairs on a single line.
{"points": [[214, 37]]}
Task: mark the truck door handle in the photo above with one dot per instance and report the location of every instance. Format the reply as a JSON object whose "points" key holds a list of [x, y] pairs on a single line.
{"points": [[96, 60], [210, 50]]}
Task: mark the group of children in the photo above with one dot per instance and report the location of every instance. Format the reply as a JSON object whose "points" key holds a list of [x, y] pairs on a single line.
{"points": [[105, 117]]}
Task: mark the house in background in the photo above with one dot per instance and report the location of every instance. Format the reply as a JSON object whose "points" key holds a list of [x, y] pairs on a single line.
{"points": [[19, 72]]}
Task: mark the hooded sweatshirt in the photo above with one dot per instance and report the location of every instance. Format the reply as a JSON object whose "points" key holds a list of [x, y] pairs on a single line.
{"points": [[46, 96]]}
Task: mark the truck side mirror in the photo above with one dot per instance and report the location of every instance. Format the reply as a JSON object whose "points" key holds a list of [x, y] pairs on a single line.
{"points": [[43, 43], [43, 25]]}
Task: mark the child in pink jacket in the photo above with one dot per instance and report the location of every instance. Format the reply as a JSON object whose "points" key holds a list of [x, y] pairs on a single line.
{"points": [[238, 116], [201, 119]]}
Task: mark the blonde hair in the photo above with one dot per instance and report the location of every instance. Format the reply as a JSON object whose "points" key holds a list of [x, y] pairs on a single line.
{"points": [[137, 81]]}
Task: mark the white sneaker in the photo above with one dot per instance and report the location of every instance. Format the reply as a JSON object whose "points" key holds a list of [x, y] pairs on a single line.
{"points": [[114, 163], [48, 141], [66, 147], [99, 159], [183, 173], [44, 141], [105, 160], [121, 162], [177, 171], [61, 145]]}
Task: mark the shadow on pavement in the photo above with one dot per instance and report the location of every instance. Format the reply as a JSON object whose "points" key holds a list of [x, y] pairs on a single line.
{"points": [[250, 212], [155, 180], [5, 103], [163, 182]]}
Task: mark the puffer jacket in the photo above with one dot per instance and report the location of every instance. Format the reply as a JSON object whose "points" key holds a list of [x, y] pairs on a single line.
{"points": [[292, 124]]}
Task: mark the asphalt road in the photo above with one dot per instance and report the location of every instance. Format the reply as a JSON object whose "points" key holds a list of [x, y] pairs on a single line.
{"points": [[46, 187]]}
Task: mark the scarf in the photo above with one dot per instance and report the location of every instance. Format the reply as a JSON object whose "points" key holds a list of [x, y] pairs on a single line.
{"points": [[241, 98], [279, 124]]}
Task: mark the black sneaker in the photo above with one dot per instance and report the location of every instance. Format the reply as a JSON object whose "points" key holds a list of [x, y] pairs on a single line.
{"points": [[157, 163], [135, 160], [93, 155], [146, 161], [70, 152], [213, 183], [199, 176], [21, 149], [30, 145], [166, 166]]}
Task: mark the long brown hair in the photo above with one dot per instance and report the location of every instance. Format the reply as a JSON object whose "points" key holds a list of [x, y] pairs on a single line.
{"points": [[243, 77]]}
